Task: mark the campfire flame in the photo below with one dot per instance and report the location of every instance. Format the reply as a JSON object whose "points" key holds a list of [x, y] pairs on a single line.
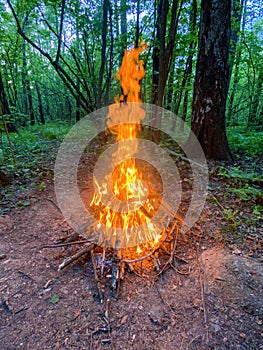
{"points": [[134, 202]]}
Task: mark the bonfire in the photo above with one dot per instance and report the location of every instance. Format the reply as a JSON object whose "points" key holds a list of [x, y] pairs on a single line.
{"points": [[125, 201]]}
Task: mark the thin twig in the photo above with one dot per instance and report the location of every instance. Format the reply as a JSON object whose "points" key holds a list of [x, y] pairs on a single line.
{"points": [[203, 297], [65, 244], [51, 201]]}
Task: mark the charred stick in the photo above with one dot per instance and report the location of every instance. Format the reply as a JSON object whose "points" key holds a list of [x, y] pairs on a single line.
{"points": [[115, 275], [156, 263], [98, 282], [103, 259]]}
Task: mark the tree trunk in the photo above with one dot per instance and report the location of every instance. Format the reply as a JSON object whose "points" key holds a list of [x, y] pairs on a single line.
{"points": [[5, 108], [189, 62], [162, 57], [137, 33], [40, 104], [24, 73], [252, 118], [27, 95], [237, 10], [212, 79], [123, 24], [235, 54], [234, 84], [103, 51], [110, 68]]}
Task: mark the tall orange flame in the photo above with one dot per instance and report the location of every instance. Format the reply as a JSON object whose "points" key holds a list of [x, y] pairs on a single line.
{"points": [[127, 181]]}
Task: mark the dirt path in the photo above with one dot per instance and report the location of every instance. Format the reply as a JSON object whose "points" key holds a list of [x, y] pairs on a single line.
{"points": [[212, 302], [212, 299]]}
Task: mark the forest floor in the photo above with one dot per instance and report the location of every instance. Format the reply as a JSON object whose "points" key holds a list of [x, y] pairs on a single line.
{"points": [[212, 299]]}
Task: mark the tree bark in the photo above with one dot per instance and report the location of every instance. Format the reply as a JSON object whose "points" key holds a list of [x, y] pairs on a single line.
{"points": [[212, 79]]}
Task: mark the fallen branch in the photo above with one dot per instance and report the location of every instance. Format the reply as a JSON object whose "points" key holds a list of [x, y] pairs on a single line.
{"points": [[75, 257]]}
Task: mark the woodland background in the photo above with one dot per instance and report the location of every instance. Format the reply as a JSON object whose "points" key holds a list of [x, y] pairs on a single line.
{"points": [[59, 59]]}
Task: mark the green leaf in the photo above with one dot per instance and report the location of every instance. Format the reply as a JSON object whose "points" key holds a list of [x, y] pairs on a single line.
{"points": [[23, 204], [54, 299]]}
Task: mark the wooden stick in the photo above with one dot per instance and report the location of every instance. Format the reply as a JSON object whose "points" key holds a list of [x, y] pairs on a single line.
{"points": [[177, 216], [184, 158], [75, 257]]}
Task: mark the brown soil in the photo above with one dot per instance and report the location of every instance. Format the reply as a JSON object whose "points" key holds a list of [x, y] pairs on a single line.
{"points": [[211, 301]]}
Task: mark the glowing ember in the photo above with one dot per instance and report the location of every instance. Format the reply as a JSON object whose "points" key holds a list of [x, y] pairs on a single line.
{"points": [[133, 202]]}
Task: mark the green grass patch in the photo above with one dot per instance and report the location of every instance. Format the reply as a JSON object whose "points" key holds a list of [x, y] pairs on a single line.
{"points": [[31, 145]]}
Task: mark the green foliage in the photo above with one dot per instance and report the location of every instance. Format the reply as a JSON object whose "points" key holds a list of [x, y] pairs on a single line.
{"points": [[257, 211], [237, 173], [31, 146], [54, 299], [247, 192], [51, 131], [232, 219], [243, 141], [243, 191]]}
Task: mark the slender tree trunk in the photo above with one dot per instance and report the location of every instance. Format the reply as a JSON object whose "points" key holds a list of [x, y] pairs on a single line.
{"points": [[162, 56], [5, 108], [235, 53], [40, 104], [189, 62], [30, 104], [237, 10], [78, 106], [24, 78], [124, 23], [170, 90], [212, 79], [234, 86], [110, 68], [103, 51], [27, 94], [137, 33], [159, 53], [252, 119]]}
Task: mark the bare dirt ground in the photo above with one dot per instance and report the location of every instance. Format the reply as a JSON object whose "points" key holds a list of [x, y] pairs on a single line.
{"points": [[211, 300]]}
